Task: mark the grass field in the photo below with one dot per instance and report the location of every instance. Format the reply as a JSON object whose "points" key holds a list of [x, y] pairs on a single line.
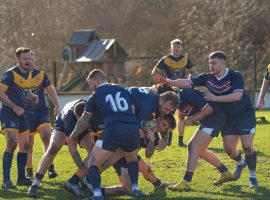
{"points": [[169, 165]]}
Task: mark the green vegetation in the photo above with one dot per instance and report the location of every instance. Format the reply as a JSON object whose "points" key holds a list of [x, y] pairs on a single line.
{"points": [[169, 165]]}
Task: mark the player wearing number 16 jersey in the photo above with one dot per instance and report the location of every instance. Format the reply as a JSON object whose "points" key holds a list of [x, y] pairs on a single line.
{"points": [[113, 104]]}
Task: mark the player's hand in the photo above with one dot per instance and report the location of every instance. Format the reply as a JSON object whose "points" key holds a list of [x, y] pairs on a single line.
{"points": [[160, 79], [32, 97], [57, 110], [150, 134], [18, 110], [188, 121], [210, 97], [260, 104], [162, 144]]}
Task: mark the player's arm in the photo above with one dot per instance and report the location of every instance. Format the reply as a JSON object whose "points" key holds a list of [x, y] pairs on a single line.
{"points": [[81, 125], [156, 71], [205, 112], [72, 147], [233, 97], [150, 136], [181, 83], [4, 98], [265, 85], [54, 98]]}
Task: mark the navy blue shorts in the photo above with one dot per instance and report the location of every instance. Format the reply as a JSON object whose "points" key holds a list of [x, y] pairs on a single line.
{"points": [[11, 122], [38, 119], [242, 124], [110, 142]]}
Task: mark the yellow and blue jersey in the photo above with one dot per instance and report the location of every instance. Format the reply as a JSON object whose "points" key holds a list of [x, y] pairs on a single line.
{"points": [[231, 82], [17, 84], [175, 67], [267, 74], [38, 81]]}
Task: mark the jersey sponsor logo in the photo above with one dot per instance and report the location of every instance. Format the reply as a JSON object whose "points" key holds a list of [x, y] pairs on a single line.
{"points": [[12, 124]]}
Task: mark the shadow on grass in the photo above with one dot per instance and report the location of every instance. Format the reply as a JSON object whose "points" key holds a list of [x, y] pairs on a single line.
{"points": [[55, 192], [221, 150]]}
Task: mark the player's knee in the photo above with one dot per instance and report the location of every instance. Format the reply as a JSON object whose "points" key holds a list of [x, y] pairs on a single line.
{"points": [[191, 146], [230, 151], [248, 150], [53, 149], [11, 147], [46, 138], [26, 146]]}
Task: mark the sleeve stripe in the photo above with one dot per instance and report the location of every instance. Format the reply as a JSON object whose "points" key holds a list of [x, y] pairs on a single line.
{"points": [[190, 81], [205, 106], [3, 85], [238, 90]]}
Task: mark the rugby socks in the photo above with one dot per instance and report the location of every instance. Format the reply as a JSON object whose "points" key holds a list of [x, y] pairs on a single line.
{"points": [[188, 176], [38, 179], [251, 163], [222, 168], [239, 159], [51, 168], [157, 182], [133, 172], [6, 164], [21, 162], [94, 177], [75, 179]]}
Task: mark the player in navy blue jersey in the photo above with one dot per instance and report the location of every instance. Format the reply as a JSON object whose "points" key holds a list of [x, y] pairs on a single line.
{"points": [[15, 95], [38, 117], [211, 119], [113, 103], [264, 88], [227, 88], [64, 125], [175, 66]]}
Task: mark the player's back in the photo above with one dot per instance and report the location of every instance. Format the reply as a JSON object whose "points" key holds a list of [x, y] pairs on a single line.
{"points": [[113, 103], [145, 103]]}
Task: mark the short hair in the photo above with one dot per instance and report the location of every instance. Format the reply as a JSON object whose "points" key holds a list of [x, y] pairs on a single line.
{"points": [[171, 96], [217, 54], [97, 74], [161, 88], [79, 108], [176, 41], [21, 50], [171, 120]]}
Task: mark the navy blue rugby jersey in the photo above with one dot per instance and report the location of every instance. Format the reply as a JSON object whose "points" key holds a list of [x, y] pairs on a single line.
{"points": [[113, 103], [145, 103], [231, 82], [192, 102]]}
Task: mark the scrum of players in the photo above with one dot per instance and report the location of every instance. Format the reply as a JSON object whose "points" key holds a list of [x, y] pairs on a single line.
{"points": [[114, 123]]}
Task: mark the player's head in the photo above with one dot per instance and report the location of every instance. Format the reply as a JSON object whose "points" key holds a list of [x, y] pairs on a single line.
{"points": [[166, 122], [79, 109], [217, 62], [176, 47], [161, 88], [168, 102], [95, 78], [23, 58]]}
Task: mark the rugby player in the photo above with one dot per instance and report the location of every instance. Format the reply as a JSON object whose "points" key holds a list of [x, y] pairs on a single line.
{"points": [[175, 66], [227, 88], [15, 95], [38, 118]]}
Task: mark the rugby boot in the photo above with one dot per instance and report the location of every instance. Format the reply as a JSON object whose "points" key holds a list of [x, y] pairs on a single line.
{"points": [[137, 193], [24, 182], [224, 177], [180, 187], [164, 185], [74, 189], [238, 171], [253, 183], [8, 185], [33, 191]]}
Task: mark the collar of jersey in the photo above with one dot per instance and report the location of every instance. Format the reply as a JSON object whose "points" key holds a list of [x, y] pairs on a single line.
{"points": [[219, 78]]}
